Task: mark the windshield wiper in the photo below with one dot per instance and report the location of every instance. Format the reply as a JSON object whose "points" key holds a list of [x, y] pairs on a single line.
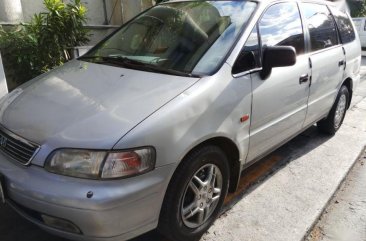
{"points": [[145, 66], [134, 64], [96, 59]]}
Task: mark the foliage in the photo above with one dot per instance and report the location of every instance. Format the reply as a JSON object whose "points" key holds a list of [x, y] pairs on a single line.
{"points": [[34, 48], [358, 8]]}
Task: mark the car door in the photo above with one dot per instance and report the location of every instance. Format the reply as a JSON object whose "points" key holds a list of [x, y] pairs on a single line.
{"points": [[279, 102], [247, 62], [327, 59], [351, 44]]}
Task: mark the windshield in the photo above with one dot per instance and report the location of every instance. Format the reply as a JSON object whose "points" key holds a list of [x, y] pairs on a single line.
{"points": [[191, 37]]}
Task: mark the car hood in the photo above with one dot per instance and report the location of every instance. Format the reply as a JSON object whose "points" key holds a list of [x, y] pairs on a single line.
{"points": [[86, 105]]}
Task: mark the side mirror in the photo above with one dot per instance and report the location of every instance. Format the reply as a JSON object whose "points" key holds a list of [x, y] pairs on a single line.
{"points": [[277, 56]]}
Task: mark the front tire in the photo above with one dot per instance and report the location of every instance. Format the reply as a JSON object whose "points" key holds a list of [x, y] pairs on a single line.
{"points": [[333, 122], [195, 195]]}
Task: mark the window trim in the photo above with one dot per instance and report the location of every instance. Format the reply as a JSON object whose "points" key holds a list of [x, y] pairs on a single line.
{"points": [[308, 37], [336, 26], [252, 71], [326, 49]]}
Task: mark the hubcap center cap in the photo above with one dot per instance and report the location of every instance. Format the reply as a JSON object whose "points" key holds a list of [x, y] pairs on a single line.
{"points": [[204, 197]]}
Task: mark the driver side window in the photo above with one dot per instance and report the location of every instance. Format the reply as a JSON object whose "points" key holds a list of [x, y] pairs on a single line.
{"points": [[281, 26]]}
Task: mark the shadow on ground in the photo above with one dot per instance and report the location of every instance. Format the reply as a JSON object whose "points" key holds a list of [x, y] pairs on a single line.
{"points": [[15, 228]]}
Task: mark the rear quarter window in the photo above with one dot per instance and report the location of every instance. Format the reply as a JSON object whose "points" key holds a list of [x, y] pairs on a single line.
{"points": [[346, 31]]}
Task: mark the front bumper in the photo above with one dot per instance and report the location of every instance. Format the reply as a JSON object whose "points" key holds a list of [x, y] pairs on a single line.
{"points": [[119, 209]]}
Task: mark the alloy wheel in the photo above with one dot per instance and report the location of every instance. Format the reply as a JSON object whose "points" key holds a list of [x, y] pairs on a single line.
{"points": [[340, 111], [201, 196]]}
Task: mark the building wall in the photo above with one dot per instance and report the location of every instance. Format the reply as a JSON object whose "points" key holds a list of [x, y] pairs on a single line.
{"points": [[129, 9], [102, 19], [3, 84], [104, 16], [11, 11], [30, 8], [117, 11]]}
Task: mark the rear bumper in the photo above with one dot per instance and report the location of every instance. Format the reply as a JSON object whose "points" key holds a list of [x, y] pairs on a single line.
{"points": [[118, 210]]}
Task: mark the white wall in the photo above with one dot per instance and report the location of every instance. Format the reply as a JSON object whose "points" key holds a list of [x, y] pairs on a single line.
{"points": [[31, 7], [95, 9], [131, 8], [118, 12], [95, 13], [10, 11], [3, 85]]}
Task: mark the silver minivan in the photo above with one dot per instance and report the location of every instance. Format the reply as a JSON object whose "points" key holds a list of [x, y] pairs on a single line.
{"points": [[154, 125]]}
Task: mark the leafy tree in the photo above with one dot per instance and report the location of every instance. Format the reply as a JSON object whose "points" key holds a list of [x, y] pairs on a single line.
{"points": [[31, 49], [358, 8]]}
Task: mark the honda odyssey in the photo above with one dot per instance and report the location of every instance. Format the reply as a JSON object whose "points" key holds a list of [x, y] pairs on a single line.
{"points": [[154, 125]]}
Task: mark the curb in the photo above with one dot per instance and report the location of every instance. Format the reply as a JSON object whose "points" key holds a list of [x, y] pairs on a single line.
{"points": [[333, 195], [353, 105]]}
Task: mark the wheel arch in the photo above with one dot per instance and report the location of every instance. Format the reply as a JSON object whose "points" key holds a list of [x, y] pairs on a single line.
{"points": [[349, 84], [232, 153]]}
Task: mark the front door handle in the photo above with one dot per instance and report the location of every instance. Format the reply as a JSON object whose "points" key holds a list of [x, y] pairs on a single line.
{"points": [[304, 78]]}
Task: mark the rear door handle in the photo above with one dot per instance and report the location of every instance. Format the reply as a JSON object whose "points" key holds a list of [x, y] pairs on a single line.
{"points": [[304, 78], [341, 63]]}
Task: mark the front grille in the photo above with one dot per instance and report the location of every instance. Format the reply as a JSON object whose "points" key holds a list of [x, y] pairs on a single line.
{"points": [[16, 147]]}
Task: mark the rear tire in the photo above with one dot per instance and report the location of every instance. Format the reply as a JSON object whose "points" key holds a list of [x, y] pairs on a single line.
{"points": [[195, 195], [333, 122]]}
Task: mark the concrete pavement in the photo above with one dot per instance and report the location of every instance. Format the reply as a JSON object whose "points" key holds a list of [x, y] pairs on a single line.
{"points": [[286, 205], [345, 217]]}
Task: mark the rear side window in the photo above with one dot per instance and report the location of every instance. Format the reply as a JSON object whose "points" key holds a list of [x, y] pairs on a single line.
{"points": [[346, 31], [322, 29], [281, 26]]}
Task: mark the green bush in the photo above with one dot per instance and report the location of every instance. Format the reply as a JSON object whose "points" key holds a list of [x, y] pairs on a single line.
{"points": [[358, 8], [31, 49]]}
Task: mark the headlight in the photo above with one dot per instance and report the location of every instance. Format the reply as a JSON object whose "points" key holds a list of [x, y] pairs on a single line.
{"points": [[101, 164], [130, 163]]}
